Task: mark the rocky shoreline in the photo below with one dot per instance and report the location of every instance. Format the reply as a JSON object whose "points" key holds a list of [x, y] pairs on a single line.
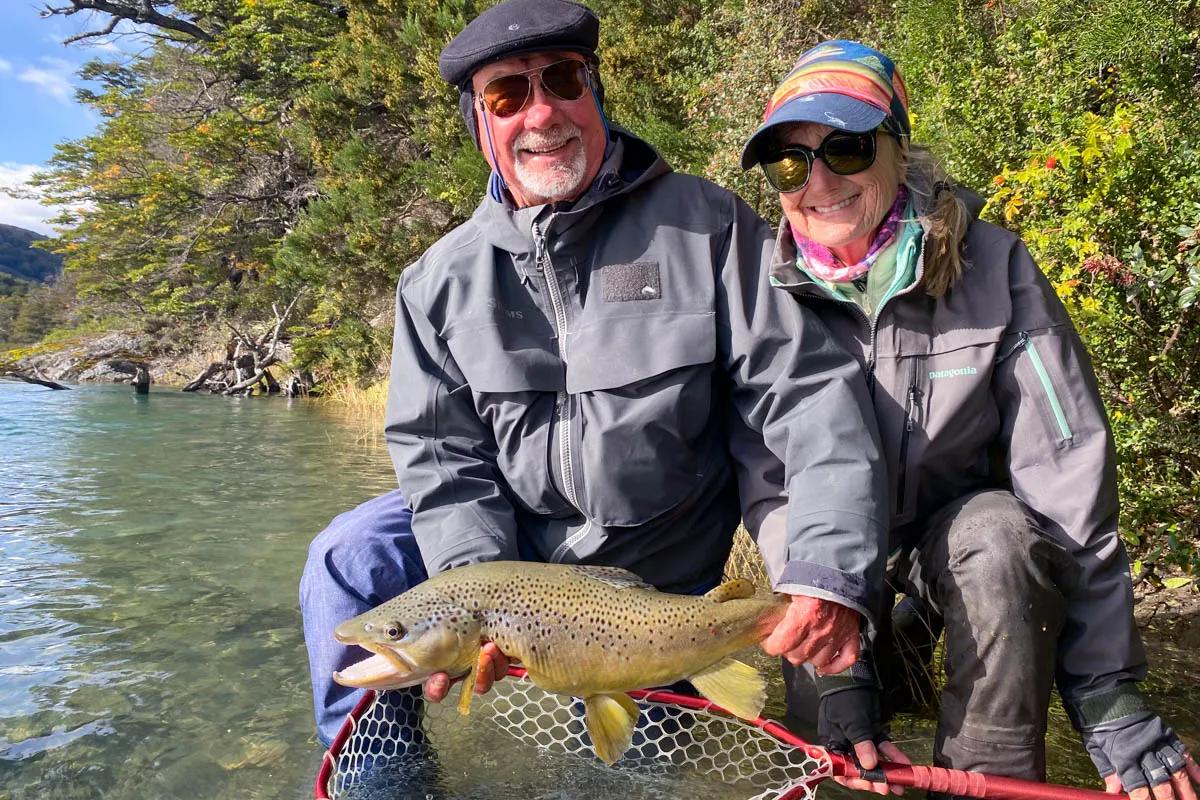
{"points": [[118, 356], [111, 358]]}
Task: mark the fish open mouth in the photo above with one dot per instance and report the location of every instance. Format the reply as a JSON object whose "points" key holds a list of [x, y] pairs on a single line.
{"points": [[387, 669]]}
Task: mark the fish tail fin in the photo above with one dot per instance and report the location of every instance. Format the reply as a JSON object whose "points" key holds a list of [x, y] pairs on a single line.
{"points": [[610, 721], [736, 589], [734, 686]]}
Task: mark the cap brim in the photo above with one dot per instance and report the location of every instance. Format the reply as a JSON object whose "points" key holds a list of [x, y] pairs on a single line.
{"points": [[835, 110]]}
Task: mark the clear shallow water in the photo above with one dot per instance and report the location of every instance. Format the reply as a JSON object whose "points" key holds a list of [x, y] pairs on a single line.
{"points": [[150, 643], [150, 549]]}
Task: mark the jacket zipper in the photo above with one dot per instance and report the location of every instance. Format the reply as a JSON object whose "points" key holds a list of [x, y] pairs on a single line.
{"points": [[912, 403], [564, 398], [1025, 342], [913, 394], [1022, 339], [1039, 366], [873, 324]]}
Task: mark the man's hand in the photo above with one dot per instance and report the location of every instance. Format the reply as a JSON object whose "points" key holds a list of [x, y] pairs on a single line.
{"points": [[491, 667], [868, 757], [819, 631]]}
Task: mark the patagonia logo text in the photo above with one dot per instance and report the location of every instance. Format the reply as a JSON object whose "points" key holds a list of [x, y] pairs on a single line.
{"points": [[952, 373]]}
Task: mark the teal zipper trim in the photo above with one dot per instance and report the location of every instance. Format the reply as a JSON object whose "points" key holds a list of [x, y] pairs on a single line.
{"points": [[1040, 368]]}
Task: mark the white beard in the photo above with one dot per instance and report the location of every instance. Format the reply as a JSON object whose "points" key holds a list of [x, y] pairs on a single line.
{"points": [[560, 181]]}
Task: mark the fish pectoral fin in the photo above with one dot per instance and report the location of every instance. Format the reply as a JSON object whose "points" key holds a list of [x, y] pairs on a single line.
{"points": [[610, 721], [467, 689], [736, 589], [736, 687], [482, 661]]}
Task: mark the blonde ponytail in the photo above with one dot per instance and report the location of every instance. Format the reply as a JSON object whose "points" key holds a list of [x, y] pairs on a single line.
{"points": [[943, 216]]}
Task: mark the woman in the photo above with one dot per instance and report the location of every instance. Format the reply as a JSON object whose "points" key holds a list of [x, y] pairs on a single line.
{"points": [[1001, 464]]}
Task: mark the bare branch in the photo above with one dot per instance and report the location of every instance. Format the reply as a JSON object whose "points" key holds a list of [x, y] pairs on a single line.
{"points": [[139, 11], [79, 37]]}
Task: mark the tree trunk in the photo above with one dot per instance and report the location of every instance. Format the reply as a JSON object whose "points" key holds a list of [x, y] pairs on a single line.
{"points": [[30, 379]]}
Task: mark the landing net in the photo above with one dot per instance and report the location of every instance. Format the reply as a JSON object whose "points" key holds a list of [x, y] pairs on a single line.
{"points": [[524, 742]]}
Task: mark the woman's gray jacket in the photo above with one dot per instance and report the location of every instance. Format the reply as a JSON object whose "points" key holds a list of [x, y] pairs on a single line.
{"points": [[593, 384], [990, 387]]}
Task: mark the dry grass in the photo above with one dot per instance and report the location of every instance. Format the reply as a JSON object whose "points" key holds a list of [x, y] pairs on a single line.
{"points": [[745, 560], [360, 408]]}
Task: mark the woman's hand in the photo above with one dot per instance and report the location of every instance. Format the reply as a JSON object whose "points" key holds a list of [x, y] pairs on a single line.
{"points": [[819, 631], [491, 667], [1177, 787], [868, 758]]}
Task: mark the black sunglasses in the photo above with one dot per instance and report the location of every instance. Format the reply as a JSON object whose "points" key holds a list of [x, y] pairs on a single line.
{"points": [[788, 168], [508, 94]]}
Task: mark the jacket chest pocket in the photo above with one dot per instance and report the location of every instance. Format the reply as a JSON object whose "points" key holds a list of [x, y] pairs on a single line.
{"points": [[946, 418], [637, 439], [621, 351], [495, 359], [515, 381]]}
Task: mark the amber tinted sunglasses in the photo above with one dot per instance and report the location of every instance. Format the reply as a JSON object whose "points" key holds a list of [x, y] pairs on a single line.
{"points": [[508, 94], [788, 168]]}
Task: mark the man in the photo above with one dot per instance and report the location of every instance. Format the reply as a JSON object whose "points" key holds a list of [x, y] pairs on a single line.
{"points": [[594, 369]]}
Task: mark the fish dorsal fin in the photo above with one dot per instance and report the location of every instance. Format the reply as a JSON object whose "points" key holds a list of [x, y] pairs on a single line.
{"points": [[736, 687], [613, 576], [610, 721], [736, 589]]}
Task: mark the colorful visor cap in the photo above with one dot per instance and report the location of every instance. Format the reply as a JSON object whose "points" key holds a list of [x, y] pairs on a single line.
{"points": [[839, 83]]}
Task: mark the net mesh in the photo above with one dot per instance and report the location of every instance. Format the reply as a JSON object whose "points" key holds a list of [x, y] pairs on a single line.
{"points": [[396, 749]]}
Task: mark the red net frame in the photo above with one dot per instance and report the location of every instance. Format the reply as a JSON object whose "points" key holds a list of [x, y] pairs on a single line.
{"points": [[831, 764]]}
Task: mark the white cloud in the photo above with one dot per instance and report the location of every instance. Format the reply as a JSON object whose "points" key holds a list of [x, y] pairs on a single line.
{"points": [[5, 66], [54, 79], [24, 211]]}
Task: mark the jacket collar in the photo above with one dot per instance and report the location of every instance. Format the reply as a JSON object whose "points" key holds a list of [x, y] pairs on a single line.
{"points": [[629, 163]]}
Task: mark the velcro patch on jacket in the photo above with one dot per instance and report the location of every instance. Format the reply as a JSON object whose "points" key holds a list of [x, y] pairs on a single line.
{"points": [[635, 281]]}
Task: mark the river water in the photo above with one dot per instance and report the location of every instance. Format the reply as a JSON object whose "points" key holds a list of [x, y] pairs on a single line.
{"points": [[150, 549]]}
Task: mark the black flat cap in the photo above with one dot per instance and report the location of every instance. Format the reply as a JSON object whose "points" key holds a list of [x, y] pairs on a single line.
{"points": [[514, 27]]}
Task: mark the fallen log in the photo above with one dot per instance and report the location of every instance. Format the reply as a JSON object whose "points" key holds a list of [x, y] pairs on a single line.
{"points": [[30, 379], [246, 366]]}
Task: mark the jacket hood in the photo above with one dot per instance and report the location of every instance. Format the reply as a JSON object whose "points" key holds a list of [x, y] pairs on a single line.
{"points": [[629, 163], [785, 274]]}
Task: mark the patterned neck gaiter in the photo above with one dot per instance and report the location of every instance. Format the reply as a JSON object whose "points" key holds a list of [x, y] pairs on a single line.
{"points": [[821, 262]]}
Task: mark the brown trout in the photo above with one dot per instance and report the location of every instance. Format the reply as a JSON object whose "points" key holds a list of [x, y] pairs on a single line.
{"points": [[588, 632]]}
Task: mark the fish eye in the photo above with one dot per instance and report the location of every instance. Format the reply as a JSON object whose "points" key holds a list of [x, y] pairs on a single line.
{"points": [[393, 631]]}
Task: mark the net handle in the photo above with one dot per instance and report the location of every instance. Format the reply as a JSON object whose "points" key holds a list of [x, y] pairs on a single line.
{"points": [[938, 779]]}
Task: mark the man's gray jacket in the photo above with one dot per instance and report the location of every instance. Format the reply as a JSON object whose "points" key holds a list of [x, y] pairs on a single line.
{"points": [[592, 384]]}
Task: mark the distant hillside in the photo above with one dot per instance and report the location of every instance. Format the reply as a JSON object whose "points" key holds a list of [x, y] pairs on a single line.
{"points": [[18, 258]]}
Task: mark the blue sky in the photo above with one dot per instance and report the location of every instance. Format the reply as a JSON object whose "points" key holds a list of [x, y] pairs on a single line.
{"points": [[37, 104]]}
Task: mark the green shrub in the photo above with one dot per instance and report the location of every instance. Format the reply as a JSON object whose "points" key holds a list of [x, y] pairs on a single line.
{"points": [[1083, 131]]}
